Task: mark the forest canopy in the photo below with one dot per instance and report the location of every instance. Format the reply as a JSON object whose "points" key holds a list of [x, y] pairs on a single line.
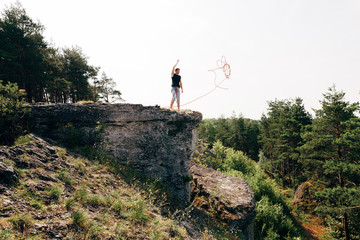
{"points": [[44, 72]]}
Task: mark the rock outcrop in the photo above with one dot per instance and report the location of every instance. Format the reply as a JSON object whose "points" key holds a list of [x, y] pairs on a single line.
{"points": [[8, 174], [228, 199], [158, 143]]}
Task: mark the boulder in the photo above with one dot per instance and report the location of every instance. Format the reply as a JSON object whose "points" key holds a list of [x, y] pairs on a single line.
{"points": [[8, 174], [229, 200], [304, 196]]}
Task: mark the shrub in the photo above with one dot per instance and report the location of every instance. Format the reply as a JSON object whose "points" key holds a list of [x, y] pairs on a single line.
{"points": [[22, 222], [79, 219], [66, 178], [273, 220], [13, 115]]}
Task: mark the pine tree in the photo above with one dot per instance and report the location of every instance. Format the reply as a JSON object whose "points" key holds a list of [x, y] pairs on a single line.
{"points": [[331, 155], [281, 137], [21, 52]]}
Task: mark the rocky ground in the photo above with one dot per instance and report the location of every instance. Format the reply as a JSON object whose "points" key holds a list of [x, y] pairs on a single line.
{"points": [[47, 193]]}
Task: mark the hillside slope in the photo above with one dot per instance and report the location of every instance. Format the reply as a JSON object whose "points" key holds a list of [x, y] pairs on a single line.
{"points": [[48, 193]]}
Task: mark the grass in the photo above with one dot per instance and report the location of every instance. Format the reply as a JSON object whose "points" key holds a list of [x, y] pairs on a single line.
{"points": [[70, 203], [81, 194], [95, 200], [66, 178], [22, 140], [55, 192], [118, 206], [95, 231], [38, 204], [138, 211], [6, 234], [22, 222], [79, 220]]}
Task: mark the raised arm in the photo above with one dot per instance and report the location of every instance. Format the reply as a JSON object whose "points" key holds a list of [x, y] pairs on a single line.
{"points": [[173, 69]]}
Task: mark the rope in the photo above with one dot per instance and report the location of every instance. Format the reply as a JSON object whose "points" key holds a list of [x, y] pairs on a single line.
{"points": [[225, 67]]}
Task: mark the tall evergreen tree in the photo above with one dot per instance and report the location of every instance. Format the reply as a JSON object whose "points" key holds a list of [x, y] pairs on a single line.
{"points": [[281, 138], [331, 155], [21, 52]]}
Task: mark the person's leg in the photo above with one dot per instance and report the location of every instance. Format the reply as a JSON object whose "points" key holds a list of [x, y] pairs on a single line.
{"points": [[173, 93], [178, 98]]}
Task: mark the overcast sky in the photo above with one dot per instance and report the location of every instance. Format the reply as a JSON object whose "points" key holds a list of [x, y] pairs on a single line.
{"points": [[276, 49]]}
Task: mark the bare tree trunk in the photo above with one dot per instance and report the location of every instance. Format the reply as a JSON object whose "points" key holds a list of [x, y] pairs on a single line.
{"points": [[346, 226]]}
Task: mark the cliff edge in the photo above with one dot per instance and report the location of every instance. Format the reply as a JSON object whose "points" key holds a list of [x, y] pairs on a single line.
{"points": [[158, 143]]}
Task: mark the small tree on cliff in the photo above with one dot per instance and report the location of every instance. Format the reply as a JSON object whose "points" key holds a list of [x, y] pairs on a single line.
{"points": [[105, 89]]}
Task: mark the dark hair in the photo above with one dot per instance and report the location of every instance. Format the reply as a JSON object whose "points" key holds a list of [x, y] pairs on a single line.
{"points": [[177, 69]]}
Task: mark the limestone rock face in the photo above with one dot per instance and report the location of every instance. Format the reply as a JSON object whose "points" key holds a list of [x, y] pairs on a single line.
{"points": [[229, 200], [158, 143]]}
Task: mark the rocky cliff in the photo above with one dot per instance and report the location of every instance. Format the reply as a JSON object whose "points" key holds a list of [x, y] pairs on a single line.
{"points": [[158, 143]]}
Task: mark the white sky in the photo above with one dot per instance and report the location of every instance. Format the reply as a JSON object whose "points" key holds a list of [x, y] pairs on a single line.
{"points": [[276, 48]]}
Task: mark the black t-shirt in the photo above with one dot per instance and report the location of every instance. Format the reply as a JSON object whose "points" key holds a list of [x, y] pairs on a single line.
{"points": [[176, 80]]}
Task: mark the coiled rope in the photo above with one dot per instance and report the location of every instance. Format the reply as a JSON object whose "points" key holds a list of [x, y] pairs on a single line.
{"points": [[222, 64]]}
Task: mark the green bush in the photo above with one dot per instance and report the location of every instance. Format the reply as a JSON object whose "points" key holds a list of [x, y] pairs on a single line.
{"points": [[13, 115]]}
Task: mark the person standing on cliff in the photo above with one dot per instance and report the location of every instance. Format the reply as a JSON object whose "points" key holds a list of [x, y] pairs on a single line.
{"points": [[176, 86]]}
